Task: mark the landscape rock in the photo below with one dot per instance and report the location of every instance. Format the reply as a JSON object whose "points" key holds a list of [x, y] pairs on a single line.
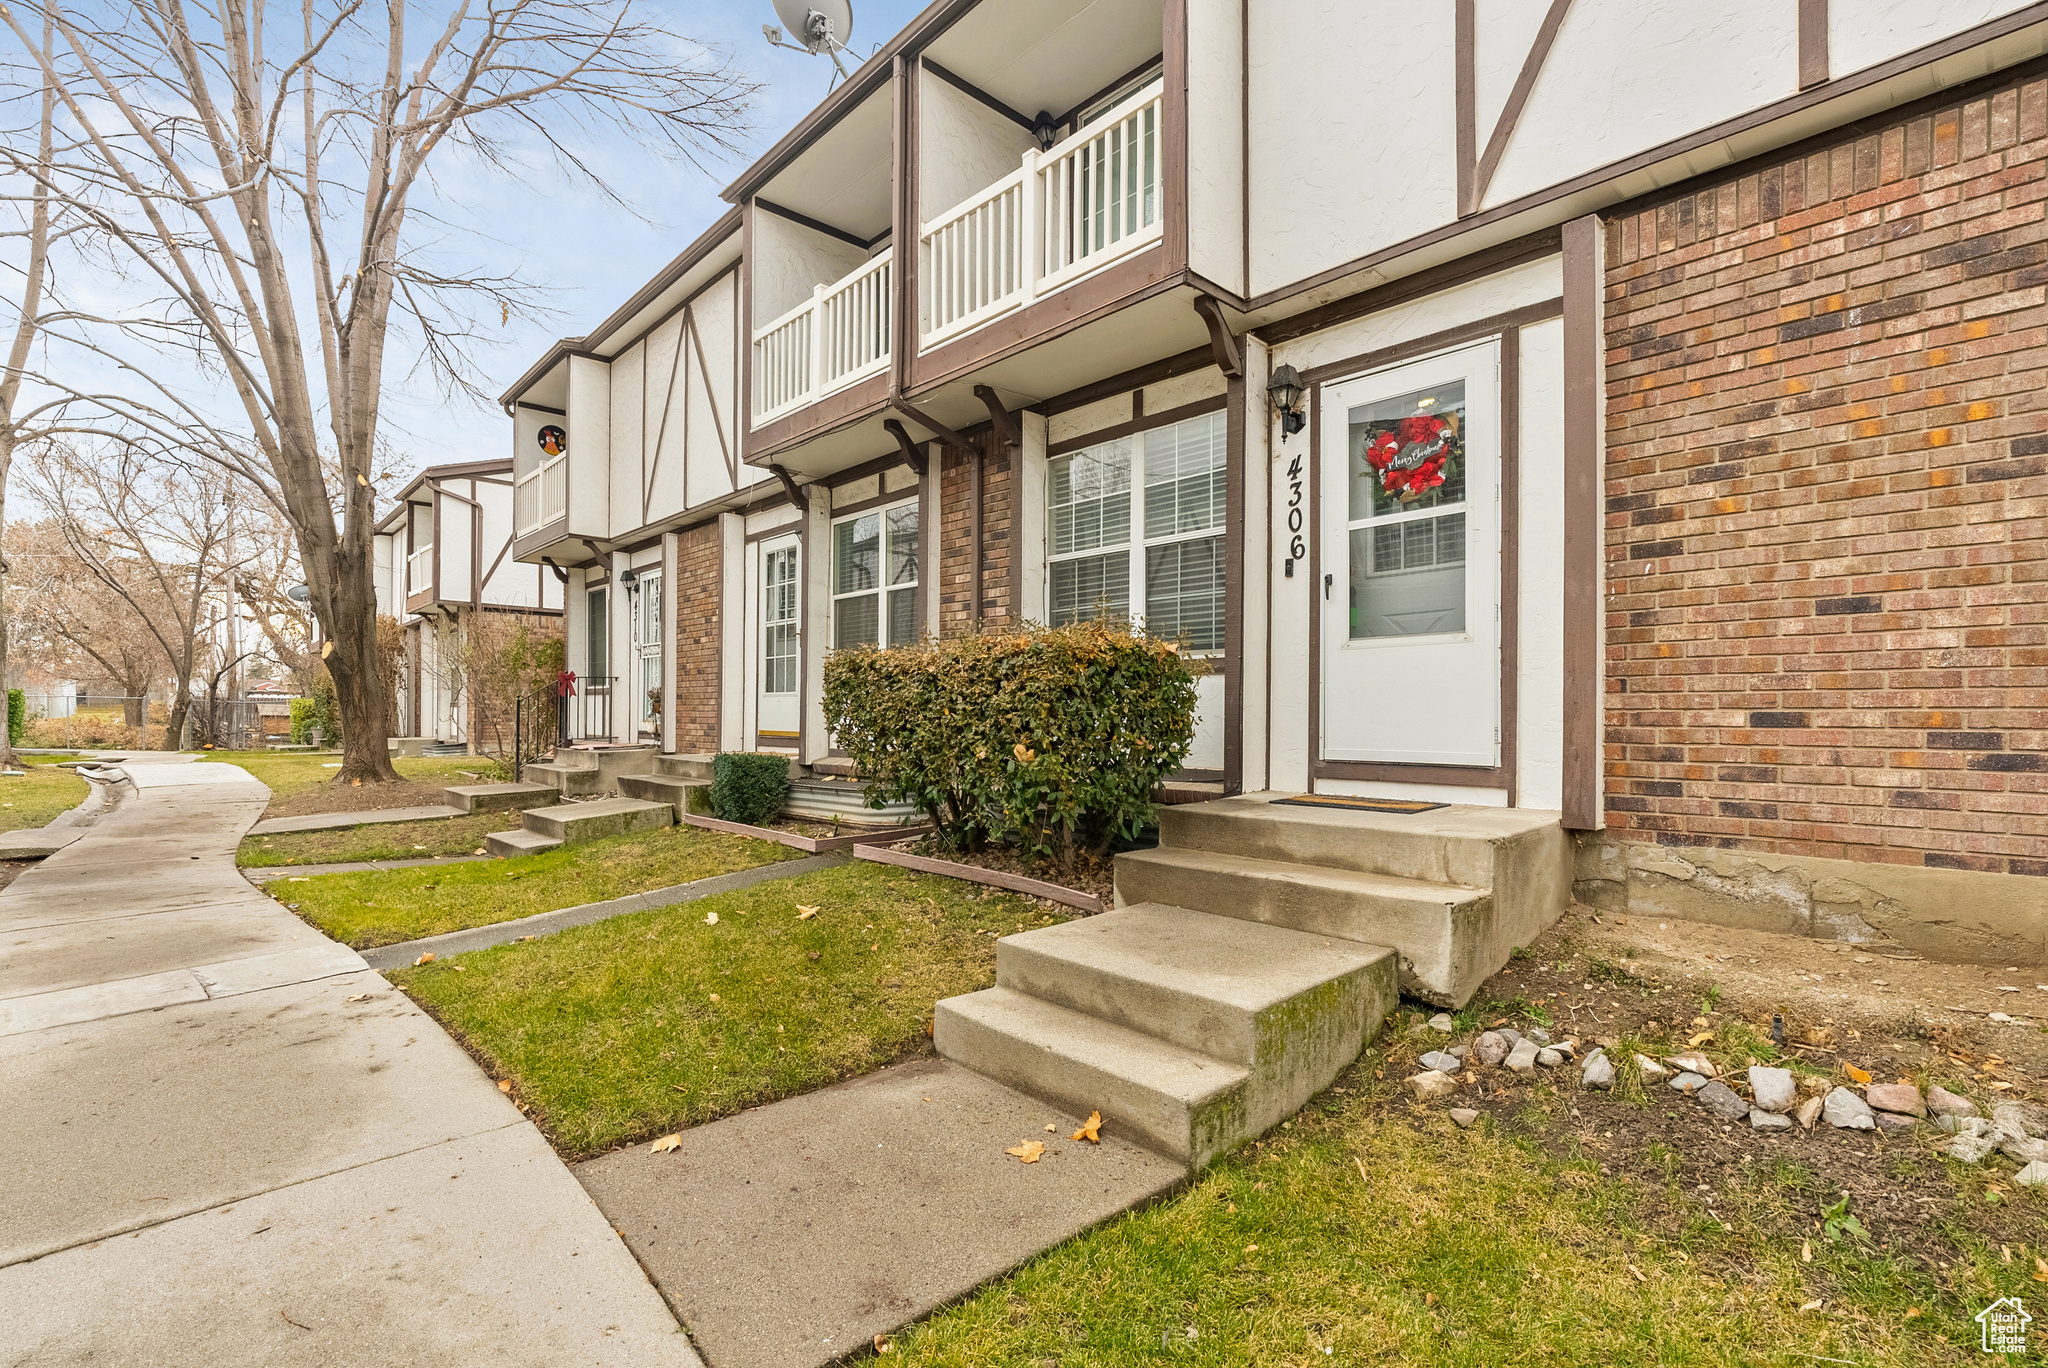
{"points": [[1808, 1113], [1539, 1035], [1775, 1090], [1894, 1122], [1464, 1116], [2022, 1118], [1550, 1057], [1433, 1083], [1971, 1149], [1692, 1061], [1721, 1100], [1491, 1048], [1844, 1110], [1902, 1098], [1460, 1052], [1763, 1120], [2024, 1151], [1650, 1067], [1441, 1022], [1688, 1083], [1522, 1059], [1598, 1071], [1442, 1062], [1513, 1036], [1942, 1102], [2033, 1175]]}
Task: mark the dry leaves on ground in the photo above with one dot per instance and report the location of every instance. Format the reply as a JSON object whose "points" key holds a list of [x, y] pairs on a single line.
{"points": [[504, 1085], [427, 958], [357, 997], [1028, 1152], [1090, 1129], [805, 913], [673, 1140], [1859, 1076]]}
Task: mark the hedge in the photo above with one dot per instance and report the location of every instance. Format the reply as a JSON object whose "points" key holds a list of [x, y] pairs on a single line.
{"points": [[1049, 738], [748, 787], [17, 716]]}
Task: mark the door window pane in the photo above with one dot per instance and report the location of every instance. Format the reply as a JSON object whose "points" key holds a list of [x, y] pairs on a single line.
{"points": [[1408, 452], [598, 615], [778, 621], [1407, 497]]}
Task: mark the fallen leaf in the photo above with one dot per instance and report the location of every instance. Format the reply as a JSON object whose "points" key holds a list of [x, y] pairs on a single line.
{"points": [[1251, 1249], [1027, 1151], [1429, 1299], [458, 969], [427, 958], [2040, 1270], [667, 1142], [1813, 1305], [1914, 1311], [357, 997], [504, 1085], [1806, 1251], [1635, 1272], [711, 919], [1702, 1038], [805, 913], [1051, 1127], [1856, 1074], [1090, 1129], [714, 997], [883, 1346]]}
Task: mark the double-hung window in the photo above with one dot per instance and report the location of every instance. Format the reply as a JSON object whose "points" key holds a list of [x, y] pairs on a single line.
{"points": [[1136, 530], [874, 577]]}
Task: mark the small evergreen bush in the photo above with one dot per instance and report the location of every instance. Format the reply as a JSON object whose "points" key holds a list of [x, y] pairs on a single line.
{"points": [[748, 787], [302, 720], [1049, 738], [17, 716]]}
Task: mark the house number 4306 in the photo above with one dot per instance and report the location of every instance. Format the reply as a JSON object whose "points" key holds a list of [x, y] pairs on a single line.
{"points": [[1296, 547]]}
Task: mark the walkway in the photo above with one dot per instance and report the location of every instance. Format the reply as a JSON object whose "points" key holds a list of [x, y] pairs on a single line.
{"points": [[230, 1143]]}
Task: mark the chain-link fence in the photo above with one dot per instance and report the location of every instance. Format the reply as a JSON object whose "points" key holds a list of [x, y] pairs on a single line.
{"points": [[71, 720]]}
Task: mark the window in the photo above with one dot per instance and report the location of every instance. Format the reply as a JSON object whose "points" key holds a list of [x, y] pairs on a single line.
{"points": [[1158, 495], [598, 602], [778, 621], [1407, 514], [874, 578], [647, 644]]}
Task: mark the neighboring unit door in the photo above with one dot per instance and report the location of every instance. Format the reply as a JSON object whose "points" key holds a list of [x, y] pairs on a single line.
{"points": [[647, 651], [780, 642], [1410, 557]]}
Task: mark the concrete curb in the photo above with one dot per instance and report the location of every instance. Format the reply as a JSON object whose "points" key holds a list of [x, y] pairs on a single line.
{"points": [[386, 957], [343, 821]]}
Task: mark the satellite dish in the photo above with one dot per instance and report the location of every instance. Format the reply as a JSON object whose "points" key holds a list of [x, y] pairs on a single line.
{"points": [[819, 26]]}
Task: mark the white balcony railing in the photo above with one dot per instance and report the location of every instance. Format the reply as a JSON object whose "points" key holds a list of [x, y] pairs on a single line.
{"points": [[419, 570], [541, 495], [836, 337], [1065, 213]]}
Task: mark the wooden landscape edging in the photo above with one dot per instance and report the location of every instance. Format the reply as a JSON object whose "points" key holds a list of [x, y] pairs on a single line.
{"points": [[810, 845], [1015, 883]]}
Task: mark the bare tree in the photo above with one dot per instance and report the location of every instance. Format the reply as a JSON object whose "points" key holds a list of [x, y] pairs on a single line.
{"points": [[70, 625], [153, 534], [226, 174]]}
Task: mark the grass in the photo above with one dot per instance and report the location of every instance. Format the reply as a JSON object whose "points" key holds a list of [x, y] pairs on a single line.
{"points": [[383, 907], [38, 795], [630, 1027], [1370, 1231], [383, 841], [302, 783]]}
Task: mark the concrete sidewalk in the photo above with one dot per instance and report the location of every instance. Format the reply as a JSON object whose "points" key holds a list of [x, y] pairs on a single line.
{"points": [[230, 1143]]}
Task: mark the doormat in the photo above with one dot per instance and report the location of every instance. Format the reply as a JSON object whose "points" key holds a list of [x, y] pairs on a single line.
{"points": [[1331, 800]]}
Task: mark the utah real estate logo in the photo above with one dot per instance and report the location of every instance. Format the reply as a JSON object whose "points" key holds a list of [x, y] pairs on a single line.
{"points": [[2005, 1324]]}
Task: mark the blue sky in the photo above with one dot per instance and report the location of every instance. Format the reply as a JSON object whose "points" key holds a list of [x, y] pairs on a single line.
{"points": [[588, 254]]}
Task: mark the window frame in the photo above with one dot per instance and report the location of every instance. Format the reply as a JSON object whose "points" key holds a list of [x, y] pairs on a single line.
{"points": [[772, 588], [1136, 546], [883, 588]]}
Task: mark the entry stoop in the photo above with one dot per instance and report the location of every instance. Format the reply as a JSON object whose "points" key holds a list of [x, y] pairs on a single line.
{"points": [[1453, 891], [1190, 1032]]}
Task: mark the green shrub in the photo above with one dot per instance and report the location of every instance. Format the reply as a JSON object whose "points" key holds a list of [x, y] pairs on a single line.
{"points": [[1049, 738], [319, 710], [748, 787], [17, 716], [302, 720]]}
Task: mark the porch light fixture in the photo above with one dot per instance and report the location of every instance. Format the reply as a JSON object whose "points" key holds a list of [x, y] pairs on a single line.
{"points": [[1285, 391], [1046, 129], [629, 576]]}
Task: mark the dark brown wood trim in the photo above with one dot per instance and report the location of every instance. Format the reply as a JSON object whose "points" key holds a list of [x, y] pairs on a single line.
{"points": [[681, 306], [541, 538], [1677, 147], [976, 93], [874, 465], [1455, 776], [1233, 584], [1000, 420], [1142, 423], [904, 223], [1813, 43], [1149, 64], [542, 408], [788, 529], [958, 441], [1518, 98], [907, 452], [1173, 132], [994, 878], [862, 399], [743, 422], [1584, 397], [1222, 345], [791, 488], [901, 496], [1244, 160], [691, 257], [1315, 579], [1183, 363], [816, 225], [1510, 591], [1130, 281], [1492, 261], [1449, 337], [1465, 35]]}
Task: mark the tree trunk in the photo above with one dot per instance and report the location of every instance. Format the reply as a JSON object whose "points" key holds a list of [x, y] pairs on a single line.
{"points": [[353, 665], [134, 711], [174, 732]]}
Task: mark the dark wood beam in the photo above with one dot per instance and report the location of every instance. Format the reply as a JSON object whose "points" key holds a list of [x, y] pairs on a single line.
{"points": [[792, 488], [1222, 345], [933, 425], [912, 457], [1000, 418]]}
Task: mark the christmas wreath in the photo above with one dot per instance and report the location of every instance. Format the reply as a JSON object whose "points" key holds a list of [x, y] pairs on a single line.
{"points": [[1414, 456]]}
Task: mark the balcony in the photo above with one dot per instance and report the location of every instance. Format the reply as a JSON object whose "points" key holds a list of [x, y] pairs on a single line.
{"points": [[541, 495], [419, 571], [837, 337], [1063, 214]]}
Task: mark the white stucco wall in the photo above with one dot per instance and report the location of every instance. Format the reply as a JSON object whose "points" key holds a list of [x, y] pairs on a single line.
{"points": [[964, 146], [1539, 690], [789, 260], [1862, 33], [1216, 142], [589, 426], [629, 437]]}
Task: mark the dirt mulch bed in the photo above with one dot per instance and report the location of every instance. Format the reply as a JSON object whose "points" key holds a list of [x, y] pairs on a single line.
{"points": [[1090, 875]]}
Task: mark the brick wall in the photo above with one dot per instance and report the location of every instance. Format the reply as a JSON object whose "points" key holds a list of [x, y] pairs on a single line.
{"points": [[700, 585], [956, 562], [1827, 481]]}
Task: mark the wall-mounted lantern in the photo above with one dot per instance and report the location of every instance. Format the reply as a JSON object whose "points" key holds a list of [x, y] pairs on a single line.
{"points": [[1285, 391]]}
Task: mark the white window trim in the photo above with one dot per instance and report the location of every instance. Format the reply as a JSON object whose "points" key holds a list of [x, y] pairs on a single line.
{"points": [[883, 588], [1136, 545]]}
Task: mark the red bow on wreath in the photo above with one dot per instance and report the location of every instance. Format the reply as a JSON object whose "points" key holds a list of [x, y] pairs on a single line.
{"points": [[565, 684], [1410, 456]]}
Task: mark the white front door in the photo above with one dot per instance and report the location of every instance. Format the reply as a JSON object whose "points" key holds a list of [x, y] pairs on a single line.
{"points": [[779, 642], [1411, 563], [647, 651]]}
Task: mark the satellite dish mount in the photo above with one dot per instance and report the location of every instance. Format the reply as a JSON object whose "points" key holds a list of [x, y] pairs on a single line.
{"points": [[819, 26]]}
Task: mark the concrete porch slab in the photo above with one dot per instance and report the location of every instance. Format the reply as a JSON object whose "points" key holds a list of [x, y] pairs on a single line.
{"points": [[791, 1235], [342, 821]]}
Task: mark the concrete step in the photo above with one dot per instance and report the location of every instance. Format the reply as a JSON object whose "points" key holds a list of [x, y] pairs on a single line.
{"points": [[498, 797], [505, 843], [684, 766], [572, 822], [1183, 1104], [1219, 985], [674, 790], [1444, 934], [1462, 844], [569, 780]]}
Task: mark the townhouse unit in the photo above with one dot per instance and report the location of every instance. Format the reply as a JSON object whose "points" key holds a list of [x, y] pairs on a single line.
{"points": [[1622, 416], [443, 561]]}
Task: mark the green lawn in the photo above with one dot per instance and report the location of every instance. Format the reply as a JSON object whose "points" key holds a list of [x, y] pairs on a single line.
{"points": [[290, 774], [1372, 1232], [382, 841], [630, 1027], [383, 907], [39, 795]]}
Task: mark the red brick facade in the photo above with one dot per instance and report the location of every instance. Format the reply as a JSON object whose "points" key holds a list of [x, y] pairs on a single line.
{"points": [[955, 519], [699, 601], [1827, 498]]}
